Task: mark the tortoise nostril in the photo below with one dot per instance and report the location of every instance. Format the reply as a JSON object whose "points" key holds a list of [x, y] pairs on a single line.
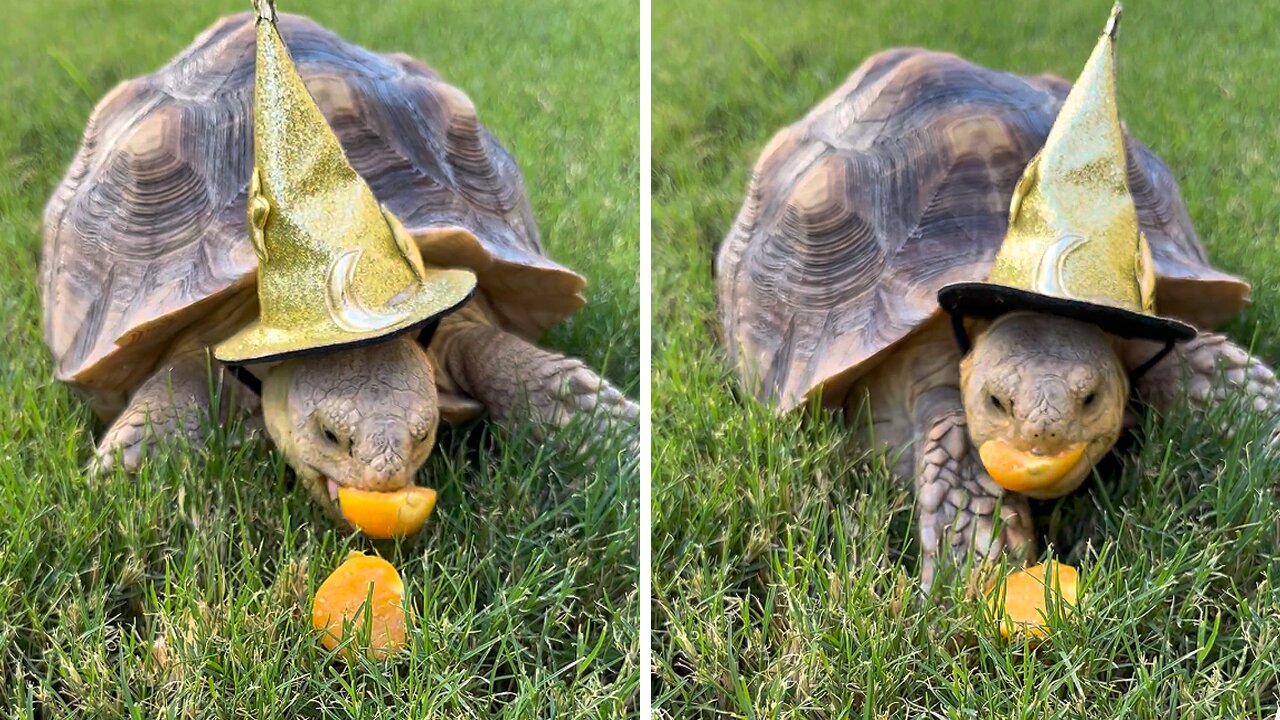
{"points": [[384, 478]]}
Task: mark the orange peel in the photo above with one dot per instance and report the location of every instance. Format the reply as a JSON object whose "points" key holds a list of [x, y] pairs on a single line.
{"points": [[1021, 597], [386, 515], [1023, 471], [340, 605]]}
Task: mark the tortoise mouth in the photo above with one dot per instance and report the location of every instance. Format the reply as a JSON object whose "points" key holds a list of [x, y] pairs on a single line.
{"points": [[1033, 473], [381, 515], [324, 492], [331, 490]]}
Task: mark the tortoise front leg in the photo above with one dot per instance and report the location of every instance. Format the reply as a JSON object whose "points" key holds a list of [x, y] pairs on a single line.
{"points": [[957, 502], [173, 402], [521, 383], [1203, 372]]}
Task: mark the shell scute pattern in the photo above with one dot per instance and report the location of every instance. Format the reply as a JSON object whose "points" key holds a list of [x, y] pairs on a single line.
{"points": [[146, 236], [895, 185]]}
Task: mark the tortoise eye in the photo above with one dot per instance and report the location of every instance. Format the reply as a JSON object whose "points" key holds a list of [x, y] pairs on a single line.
{"points": [[995, 402], [1088, 399], [328, 434]]}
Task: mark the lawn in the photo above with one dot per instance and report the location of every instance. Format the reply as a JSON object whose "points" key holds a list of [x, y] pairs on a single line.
{"points": [[185, 592], [785, 576]]}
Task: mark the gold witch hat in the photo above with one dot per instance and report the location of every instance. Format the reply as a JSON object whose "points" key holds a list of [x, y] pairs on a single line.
{"points": [[335, 267], [1073, 247]]}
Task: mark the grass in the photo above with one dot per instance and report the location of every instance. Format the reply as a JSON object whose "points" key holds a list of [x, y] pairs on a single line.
{"points": [[785, 578], [185, 592]]}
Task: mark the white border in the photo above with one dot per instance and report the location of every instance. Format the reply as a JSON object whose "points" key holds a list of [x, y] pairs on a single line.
{"points": [[646, 367]]}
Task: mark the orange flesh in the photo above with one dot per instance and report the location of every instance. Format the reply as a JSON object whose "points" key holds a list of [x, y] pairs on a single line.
{"points": [[341, 597], [386, 515], [1022, 471], [1023, 596]]}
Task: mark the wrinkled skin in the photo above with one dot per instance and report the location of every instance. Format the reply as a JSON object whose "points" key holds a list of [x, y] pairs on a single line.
{"points": [[1043, 384], [1032, 383], [364, 417]]}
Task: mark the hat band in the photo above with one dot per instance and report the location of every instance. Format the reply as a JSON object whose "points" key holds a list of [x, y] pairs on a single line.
{"points": [[254, 383], [962, 340]]}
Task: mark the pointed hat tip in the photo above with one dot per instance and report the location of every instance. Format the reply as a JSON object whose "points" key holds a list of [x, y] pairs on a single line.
{"points": [[266, 10], [1113, 22]]}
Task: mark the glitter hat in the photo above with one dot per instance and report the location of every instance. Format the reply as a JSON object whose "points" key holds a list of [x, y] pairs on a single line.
{"points": [[335, 267], [1074, 248]]}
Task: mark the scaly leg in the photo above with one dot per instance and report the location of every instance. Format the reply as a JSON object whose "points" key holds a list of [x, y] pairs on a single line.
{"points": [[521, 383], [956, 501], [1204, 371], [173, 401]]}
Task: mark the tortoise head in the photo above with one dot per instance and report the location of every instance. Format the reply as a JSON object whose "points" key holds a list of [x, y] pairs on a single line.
{"points": [[1044, 398], [362, 417]]}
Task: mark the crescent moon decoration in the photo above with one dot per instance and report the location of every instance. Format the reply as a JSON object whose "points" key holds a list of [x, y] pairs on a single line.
{"points": [[1049, 279], [348, 311], [259, 211]]}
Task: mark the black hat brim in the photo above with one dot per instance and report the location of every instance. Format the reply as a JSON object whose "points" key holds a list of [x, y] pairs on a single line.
{"points": [[989, 301]]}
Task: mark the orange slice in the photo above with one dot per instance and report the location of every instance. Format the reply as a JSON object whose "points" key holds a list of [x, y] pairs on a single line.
{"points": [[386, 515], [1022, 595], [341, 599], [1022, 471]]}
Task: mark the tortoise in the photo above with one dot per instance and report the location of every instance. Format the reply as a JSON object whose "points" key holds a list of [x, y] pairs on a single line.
{"points": [[898, 185], [148, 263]]}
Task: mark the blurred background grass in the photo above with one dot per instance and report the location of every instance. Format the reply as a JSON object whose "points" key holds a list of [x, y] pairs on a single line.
{"points": [[783, 566], [185, 592]]}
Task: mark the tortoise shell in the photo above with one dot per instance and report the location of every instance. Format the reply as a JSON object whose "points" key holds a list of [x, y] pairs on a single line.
{"points": [[146, 237], [894, 186]]}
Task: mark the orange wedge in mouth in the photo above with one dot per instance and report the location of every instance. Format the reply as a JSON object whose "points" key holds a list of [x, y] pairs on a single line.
{"points": [[1023, 471], [1021, 596], [340, 606], [386, 515]]}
